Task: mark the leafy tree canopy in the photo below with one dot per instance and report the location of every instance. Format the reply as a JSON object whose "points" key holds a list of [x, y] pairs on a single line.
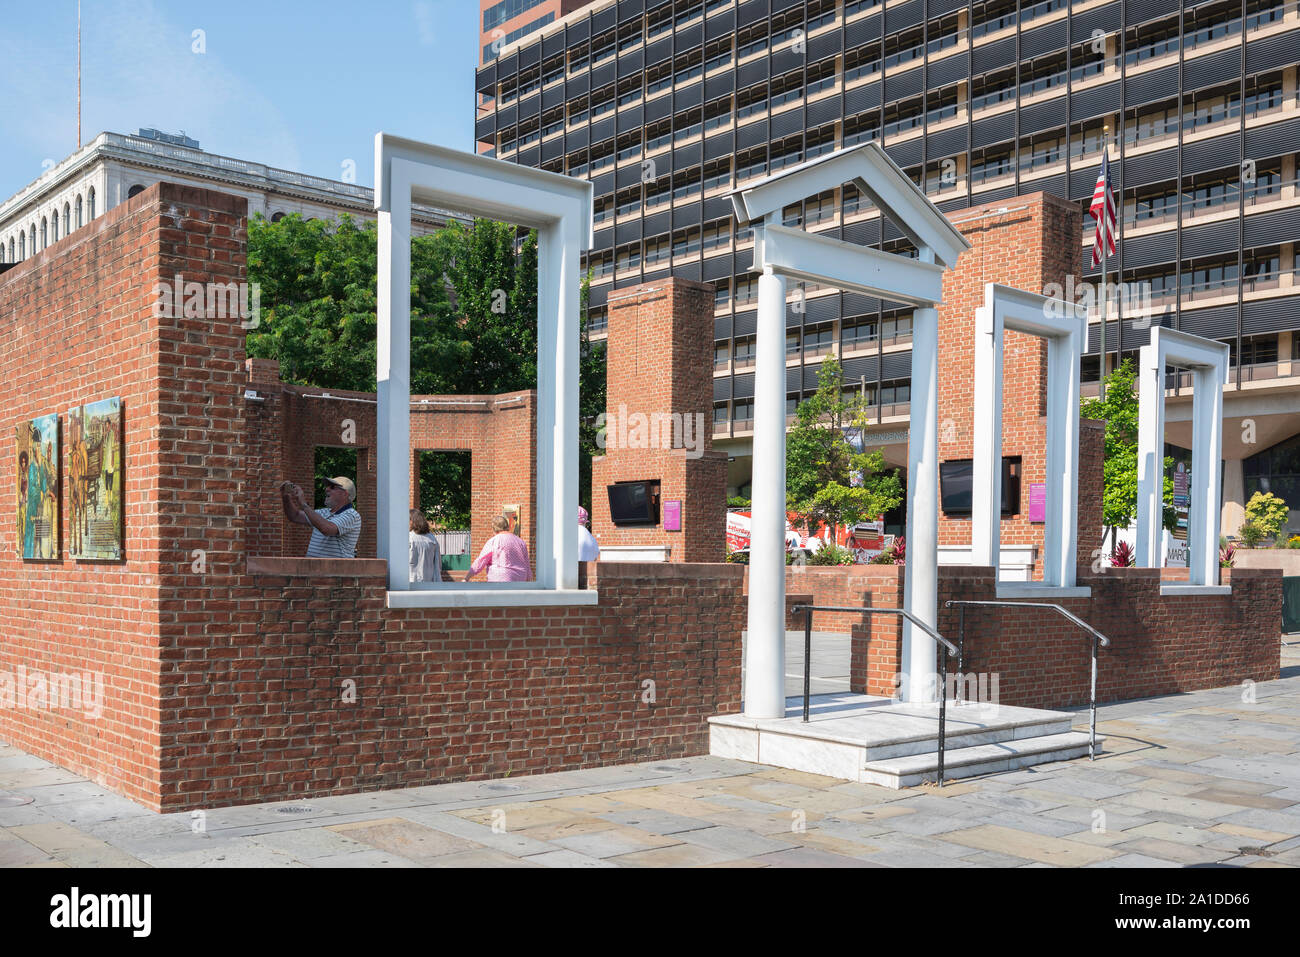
{"points": [[826, 480], [1119, 409], [473, 310]]}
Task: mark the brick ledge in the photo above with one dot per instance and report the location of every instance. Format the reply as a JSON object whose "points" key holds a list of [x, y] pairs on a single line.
{"points": [[318, 567]]}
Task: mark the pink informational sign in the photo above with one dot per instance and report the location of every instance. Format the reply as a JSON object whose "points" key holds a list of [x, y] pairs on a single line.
{"points": [[672, 515], [1038, 501]]}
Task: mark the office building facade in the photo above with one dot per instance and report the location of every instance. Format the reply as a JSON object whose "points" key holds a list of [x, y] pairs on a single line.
{"points": [[667, 106]]}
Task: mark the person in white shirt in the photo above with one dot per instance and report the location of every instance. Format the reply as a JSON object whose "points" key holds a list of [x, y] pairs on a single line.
{"points": [[334, 528], [426, 557], [588, 547]]}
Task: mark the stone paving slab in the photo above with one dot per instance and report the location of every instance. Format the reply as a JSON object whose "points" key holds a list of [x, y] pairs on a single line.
{"points": [[1191, 779]]}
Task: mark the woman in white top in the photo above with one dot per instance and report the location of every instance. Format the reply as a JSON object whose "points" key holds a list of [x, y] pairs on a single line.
{"points": [[588, 547], [426, 557]]}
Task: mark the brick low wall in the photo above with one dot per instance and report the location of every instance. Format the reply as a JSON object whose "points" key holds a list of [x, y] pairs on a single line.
{"points": [[320, 689], [1160, 644], [232, 675], [847, 586]]}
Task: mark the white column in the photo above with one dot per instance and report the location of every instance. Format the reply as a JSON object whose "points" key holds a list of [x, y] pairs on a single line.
{"points": [[921, 582], [1061, 522], [1151, 463], [393, 380], [765, 656], [557, 376], [986, 475], [1205, 487]]}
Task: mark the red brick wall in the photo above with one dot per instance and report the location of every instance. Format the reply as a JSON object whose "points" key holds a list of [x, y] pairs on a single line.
{"points": [[500, 433], [225, 672], [286, 425], [448, 694], [660, 361], [1159, 644], [77, 324], [1033, 244], [288, 422], [840, 586]]}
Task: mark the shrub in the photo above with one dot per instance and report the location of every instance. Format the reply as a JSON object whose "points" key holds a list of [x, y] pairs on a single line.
{"points": [[1293, 541], [1227, 555], [1267, 512], [830, 554], [1250, 534], [895, 554], [1123, 556]]}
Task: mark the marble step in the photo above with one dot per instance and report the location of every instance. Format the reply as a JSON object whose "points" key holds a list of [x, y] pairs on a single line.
{"points": [[961, 735], [1007, 755]]}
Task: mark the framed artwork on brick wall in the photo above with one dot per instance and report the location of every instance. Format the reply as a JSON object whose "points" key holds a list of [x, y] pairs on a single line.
{"points": [[38, 488], [95, 527]]}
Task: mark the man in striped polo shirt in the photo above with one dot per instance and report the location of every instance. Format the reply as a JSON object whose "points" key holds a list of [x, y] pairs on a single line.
{"points": [[336, 527]]}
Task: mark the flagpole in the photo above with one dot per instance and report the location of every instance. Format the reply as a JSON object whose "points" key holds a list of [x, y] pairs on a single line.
{"points": [[1105, 152]]}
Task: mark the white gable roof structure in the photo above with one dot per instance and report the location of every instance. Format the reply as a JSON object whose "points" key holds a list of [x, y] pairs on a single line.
{"points": [[869, 168], [782, 253]]}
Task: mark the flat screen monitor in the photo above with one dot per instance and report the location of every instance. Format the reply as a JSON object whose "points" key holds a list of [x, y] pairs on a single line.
{"points": [[956, 481], [634, 503]]}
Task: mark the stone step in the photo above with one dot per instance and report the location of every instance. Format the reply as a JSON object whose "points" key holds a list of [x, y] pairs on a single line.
{"points": [[1008, 755], [961, 734]]}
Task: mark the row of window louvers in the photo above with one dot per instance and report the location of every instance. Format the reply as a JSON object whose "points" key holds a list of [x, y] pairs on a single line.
{"points": [[1255, 231], [898, 16], [1193, 73], [1079, 106], [1260, 144], [1258, 317]]}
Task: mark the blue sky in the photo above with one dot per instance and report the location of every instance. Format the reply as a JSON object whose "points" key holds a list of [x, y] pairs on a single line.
{"points": [[299, 85]]}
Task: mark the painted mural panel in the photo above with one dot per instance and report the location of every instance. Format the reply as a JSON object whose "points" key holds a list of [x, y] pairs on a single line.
{"points": [[38, 487], [94, 437]]}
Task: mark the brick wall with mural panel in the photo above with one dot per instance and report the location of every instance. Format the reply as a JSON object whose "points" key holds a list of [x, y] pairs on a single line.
{"points": [[231, 676]]}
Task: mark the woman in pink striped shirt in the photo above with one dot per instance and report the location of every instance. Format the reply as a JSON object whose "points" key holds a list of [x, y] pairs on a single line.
{"points": [[504, 555]]}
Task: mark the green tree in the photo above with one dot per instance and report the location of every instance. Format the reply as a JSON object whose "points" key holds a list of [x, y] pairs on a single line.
{"points": [[319, 301], [493, 274], [1119, 409], [473, 312], [1266, 512], [592, 396], [826, 480]]}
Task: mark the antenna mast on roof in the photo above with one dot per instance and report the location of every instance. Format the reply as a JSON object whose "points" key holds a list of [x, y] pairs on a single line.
{"points": [[78, 75]]}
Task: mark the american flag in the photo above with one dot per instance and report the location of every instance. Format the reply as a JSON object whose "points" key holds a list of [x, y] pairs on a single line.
{"points": [[1103, 212]]}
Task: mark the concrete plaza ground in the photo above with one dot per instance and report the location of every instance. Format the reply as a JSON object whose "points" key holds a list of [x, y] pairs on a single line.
{"points": [[1196, 779]]}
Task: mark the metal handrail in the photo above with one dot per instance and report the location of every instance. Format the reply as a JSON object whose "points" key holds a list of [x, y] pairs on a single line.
{"points": [[940, 671], [1096, 637]]}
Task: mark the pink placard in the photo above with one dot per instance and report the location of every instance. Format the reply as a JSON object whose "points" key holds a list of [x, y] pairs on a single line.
{"points": [[673, 515], [1037, 501]]}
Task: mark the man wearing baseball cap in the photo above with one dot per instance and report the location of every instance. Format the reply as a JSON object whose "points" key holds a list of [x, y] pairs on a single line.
{"points": [[336, 527]]}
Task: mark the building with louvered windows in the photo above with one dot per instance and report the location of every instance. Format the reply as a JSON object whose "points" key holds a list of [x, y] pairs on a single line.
{"points": [[667, 105]]}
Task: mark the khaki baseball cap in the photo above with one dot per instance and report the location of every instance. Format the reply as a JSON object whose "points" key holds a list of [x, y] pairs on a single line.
{"points": [[346, 484]]}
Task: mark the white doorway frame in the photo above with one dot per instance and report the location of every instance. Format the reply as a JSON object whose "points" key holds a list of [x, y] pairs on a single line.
{"points": [[1208, 361], [1064, 326], [559, 208]]}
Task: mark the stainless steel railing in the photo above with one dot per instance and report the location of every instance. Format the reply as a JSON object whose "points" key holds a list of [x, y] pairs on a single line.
{"points": [[1096, 637], [940, 670]]}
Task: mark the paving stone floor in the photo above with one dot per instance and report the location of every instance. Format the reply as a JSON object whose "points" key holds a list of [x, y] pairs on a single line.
{"points": [[1211, 777]]}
